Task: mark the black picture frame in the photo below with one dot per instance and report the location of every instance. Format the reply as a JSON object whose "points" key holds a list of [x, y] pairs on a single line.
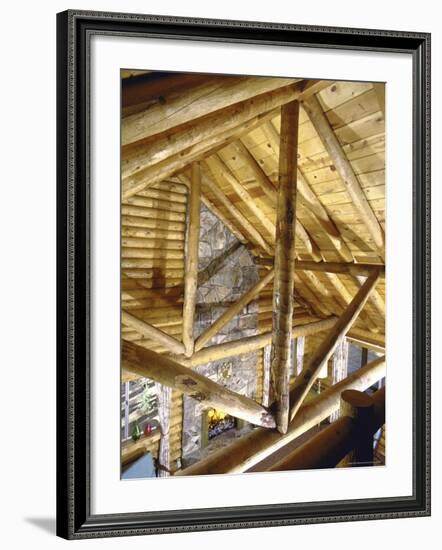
{"points": [[74, 518]]}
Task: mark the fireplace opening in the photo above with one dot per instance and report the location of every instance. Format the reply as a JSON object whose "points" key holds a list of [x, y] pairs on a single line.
{"points": [[216, 422]]}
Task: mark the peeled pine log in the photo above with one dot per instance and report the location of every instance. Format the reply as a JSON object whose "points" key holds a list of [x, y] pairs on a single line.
{"points": [[247, 451], [345, 170], [151, 332], [222, 171], [149, 364], [251, 343], [191, 259], [260, 176], [149, 174], [176, 139], [233, 310], [154, 174], [215, 210], [308, 199], [285, 254], [244, 345], [271, 192], [240, 218], [327, 347], [152, 223], [331, 267], [197, 101], [374, 342]]}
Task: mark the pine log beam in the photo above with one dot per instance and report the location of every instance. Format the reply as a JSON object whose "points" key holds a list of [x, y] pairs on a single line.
{"points": [[374, 342], [235, 213], [149, 174], [233, 310], [144, 328], [191, 259], [313, 204], [251, 449], [309, 243], [345, 295], [242, 346], [375, 299], [269, 189], [216, 211], [285, 254], [329, 446], [149, 364], [355, 269], [175, 140], [254, 343], [345, 170], [190, 102], [328, 345], [261, 177], [310, 201], [222, 172]]}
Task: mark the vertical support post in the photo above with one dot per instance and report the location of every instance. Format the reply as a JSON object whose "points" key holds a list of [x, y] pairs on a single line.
{"points": [[266, 376], [340, 368], [300, 344], [359, 406], [191, 259], [164, 394], [126, 410], [283, 286]]}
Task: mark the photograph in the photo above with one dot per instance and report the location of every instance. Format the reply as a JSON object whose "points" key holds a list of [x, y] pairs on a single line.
{"points": [[253, 258]]}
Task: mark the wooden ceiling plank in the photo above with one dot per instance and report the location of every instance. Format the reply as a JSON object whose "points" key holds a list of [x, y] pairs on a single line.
{"points": [[345, 169], [240, 218]]}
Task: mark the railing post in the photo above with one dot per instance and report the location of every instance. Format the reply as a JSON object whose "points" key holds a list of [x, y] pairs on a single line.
{"points": [[359, 406]]}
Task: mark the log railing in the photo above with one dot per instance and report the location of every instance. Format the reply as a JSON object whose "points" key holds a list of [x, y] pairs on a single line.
{"points": [[247, 451], [327, 448]]}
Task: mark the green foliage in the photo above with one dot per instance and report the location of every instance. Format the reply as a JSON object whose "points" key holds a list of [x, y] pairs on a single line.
{"points": [[149, 400]]}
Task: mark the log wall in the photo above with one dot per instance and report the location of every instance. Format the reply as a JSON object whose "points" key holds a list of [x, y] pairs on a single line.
{"points": [[152, 245]]}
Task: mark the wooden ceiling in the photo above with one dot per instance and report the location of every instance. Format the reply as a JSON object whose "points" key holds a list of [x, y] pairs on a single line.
{"points": [[231, 124]]}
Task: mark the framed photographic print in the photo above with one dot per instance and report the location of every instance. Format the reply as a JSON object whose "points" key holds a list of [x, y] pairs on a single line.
{"points": [[243, 270]]}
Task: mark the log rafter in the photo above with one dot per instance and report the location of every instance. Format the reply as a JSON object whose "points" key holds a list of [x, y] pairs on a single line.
{"points": [[147, 165], [149, 364], [345, 169], [328, 345]]}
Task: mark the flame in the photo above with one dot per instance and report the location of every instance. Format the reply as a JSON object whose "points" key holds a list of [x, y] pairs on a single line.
{"points": [[215, 415]]}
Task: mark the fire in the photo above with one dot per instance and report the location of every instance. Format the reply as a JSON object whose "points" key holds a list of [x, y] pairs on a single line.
{"points": [[215, 415]]}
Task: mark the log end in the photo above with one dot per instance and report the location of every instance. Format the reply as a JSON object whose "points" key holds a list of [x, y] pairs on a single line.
{"points": [[267, 420]]}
